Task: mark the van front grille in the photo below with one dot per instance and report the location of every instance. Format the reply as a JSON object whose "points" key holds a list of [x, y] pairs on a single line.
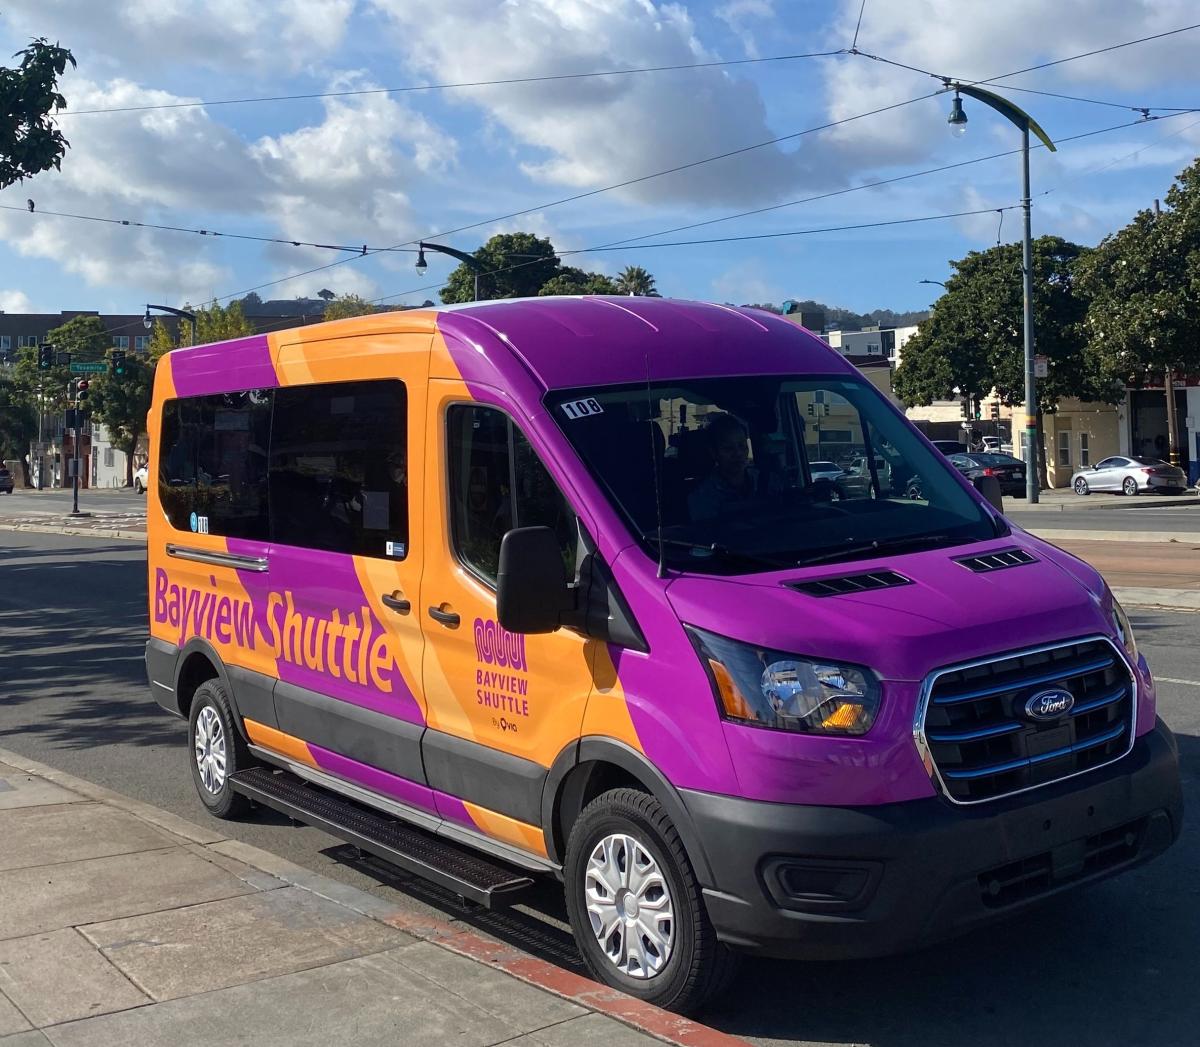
{"points": [[983, 742]]}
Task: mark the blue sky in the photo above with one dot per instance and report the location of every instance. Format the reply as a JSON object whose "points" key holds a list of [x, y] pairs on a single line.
{"points": [[382, 169]]}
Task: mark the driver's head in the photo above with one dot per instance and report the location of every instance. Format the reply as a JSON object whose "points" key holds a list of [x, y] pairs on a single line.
{"points": [[729, 443]]}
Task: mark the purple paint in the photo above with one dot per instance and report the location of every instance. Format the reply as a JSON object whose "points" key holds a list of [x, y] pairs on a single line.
{"points": [[222, 367], [392, 785]]}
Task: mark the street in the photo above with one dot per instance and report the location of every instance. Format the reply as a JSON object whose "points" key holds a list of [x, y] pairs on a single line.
{"points": [[1111, 965]]}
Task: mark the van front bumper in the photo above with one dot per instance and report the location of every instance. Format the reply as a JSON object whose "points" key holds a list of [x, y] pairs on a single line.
{"points": [[848, 882]]}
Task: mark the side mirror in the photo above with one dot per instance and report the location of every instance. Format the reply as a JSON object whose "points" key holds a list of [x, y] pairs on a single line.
{"points": [[989, 487], [532, 593]]}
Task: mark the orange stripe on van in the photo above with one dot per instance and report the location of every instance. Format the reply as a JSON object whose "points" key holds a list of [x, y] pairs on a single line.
{"points": [[277, 741], [502, 827]]}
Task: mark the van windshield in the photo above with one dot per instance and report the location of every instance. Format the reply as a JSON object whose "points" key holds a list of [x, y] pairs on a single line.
{"points": [[756, 473]]}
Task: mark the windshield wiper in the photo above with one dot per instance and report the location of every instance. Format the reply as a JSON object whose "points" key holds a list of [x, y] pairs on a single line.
{"points": [[887, 545], [712, 549]]}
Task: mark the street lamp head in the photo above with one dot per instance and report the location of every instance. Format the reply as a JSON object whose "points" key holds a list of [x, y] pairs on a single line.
{"points": [[146, 321], [422, 265], [957, 119]]}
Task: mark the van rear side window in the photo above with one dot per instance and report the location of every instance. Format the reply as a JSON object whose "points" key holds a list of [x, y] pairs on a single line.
{"points": [[213, 475], [339, 468]]}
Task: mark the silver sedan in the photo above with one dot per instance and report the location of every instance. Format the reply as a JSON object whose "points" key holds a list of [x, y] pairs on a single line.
{"points": [[1130, 476]]}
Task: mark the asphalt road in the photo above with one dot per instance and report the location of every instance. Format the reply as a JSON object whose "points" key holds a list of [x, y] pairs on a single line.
{"points": [[1113, 965]]}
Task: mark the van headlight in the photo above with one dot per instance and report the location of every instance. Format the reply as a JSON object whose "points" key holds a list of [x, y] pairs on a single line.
{"points": [[769, 688], [1124, 629]]}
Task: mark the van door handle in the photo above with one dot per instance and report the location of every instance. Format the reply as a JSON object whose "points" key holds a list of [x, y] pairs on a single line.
{"points": [[449, 618], [397, 603]]}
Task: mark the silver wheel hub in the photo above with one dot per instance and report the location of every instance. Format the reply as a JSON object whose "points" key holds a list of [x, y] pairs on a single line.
{"points": [[210, 749], [629, 906]]}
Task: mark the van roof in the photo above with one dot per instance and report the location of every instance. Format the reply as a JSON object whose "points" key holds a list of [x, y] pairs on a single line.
{"points": [[590, 340], [560, 342]]}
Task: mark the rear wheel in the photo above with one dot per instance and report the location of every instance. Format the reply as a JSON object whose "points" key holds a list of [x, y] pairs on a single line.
{"points": [[216, 751], [137, 486], [1081, 486], [635, 905], [1129, 486]]}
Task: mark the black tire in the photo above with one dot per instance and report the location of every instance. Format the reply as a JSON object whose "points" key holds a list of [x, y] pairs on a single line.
{"points": [[137, 487], [221, 802], [1081, 487], [1129, 486], [699, 967]]}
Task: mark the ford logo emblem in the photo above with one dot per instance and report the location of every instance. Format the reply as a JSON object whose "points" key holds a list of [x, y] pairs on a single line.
{"points": [[1049, 704]]}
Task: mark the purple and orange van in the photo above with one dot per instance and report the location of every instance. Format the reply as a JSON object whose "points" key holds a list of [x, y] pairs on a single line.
{"points": [[550, 587]]}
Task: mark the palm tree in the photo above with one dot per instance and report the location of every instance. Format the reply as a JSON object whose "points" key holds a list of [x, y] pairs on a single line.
{"points": [[633, 279]]}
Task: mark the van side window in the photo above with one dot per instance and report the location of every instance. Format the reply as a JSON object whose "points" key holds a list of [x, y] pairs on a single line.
{"points": [[497, 482], [338, 470], [213, 463]]}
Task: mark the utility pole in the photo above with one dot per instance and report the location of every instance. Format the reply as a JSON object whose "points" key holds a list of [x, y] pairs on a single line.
{"points": [[1169, 390]]}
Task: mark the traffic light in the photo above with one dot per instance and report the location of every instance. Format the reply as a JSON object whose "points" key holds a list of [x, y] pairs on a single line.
{"points": [[45, 356], [995, 412], [978, 411], [117, 363], [81, 391], [964, 409]]}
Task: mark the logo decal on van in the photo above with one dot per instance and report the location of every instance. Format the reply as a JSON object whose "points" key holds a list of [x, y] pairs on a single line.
{"points": [[495, 688]]}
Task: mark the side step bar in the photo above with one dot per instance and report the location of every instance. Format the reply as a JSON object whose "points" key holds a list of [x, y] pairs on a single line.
{"points": [[465, 872]]}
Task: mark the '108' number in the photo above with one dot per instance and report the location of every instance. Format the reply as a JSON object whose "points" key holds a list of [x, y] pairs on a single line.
{"points": [[582, 408]]}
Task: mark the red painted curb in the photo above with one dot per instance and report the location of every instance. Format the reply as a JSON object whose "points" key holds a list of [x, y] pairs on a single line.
{"points": [[645, 1017]]}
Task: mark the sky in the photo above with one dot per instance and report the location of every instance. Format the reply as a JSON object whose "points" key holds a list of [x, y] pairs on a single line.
{"points": [[384, 169]]}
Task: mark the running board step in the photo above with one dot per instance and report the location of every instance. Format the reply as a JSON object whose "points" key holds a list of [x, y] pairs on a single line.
{"points": [[465, 872]]}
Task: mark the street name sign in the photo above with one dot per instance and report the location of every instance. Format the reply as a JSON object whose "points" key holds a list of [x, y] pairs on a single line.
{"points": [[90, 368]]}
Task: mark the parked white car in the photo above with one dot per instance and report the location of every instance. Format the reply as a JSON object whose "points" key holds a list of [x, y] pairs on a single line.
{"points": [[1130, 476], [139, 480]]}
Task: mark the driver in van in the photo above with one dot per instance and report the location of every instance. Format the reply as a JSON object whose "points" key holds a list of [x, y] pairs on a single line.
{"points": [[733, 479]]}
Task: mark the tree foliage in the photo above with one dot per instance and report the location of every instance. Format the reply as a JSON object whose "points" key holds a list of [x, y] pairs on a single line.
{"points": [[1143, 282], [348, 305], [18, 424], [161, 339], [120, 403], [30, 142], [635, 280], [523, 265], [215, 323]]}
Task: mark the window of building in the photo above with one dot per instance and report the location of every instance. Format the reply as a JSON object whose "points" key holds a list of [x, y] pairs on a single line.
{"points": [[339, 468], [497, 482], [120, 341], [5, 341], [1064, 449], [213, 467], [26, 341], [142, 343], [1085, 451], [108, 458]]}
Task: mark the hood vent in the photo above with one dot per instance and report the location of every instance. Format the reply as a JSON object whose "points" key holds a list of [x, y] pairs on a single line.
{"points": [[851, 583], [997, 561]]}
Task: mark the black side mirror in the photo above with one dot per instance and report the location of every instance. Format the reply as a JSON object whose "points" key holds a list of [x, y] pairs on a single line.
{"points": [[989, 487], [532, 592]]}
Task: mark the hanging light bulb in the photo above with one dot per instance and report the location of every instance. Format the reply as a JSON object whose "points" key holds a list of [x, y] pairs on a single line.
{"points": [[422, 265], [957, 119]]}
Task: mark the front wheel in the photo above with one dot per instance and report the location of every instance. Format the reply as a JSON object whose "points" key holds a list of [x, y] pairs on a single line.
{"points": [[635, 905], [1081, 486], [137, 487], [216, 751], [1129, 486]]}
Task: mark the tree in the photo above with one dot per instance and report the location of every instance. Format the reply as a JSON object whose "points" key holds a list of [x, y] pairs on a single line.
{"points": [[18, 424], [30, 142], [161, 339], [1144, 286], [633, 279], [570, 280], [215, 323], [973, 342], [120, 404], [516, 265], [347, 305]]}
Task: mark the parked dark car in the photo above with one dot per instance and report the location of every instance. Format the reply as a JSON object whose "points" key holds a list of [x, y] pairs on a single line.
{"points": [[6, 480], [1008, 470], [948, 447]]}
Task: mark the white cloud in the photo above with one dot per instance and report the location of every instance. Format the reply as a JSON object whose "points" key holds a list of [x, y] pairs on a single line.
{"points": [[739, 14], [15, 302], [226, 34], [585, 133]]}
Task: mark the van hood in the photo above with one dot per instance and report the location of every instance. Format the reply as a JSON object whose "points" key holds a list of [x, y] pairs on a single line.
{"points": [[942, 613]]}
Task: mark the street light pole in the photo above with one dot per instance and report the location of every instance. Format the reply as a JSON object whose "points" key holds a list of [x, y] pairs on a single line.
{"points": [[470, 261], [147, 322], [1025, 123]]}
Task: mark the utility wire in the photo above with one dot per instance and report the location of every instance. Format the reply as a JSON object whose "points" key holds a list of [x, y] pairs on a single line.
{"points": [[861, 9], [550, 78]]}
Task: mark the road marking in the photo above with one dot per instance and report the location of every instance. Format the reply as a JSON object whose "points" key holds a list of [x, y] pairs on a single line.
{"points": [[1170, 679]]}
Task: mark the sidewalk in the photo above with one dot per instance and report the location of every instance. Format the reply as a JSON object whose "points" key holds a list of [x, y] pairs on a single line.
{"points": [[1062, 499], [123, 924], [99, 523]]}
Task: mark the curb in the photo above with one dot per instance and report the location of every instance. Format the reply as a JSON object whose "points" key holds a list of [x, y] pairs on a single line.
{"points": [[1186, 600], [1101, 502], [90, 532], [1065, 534], [643, 1017]]}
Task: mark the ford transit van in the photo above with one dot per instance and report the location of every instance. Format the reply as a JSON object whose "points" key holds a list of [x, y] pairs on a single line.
{"points": [[550, 587]]}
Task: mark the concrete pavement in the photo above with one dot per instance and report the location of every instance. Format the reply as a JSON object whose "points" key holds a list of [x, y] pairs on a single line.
{"points": [[124, 924]]}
